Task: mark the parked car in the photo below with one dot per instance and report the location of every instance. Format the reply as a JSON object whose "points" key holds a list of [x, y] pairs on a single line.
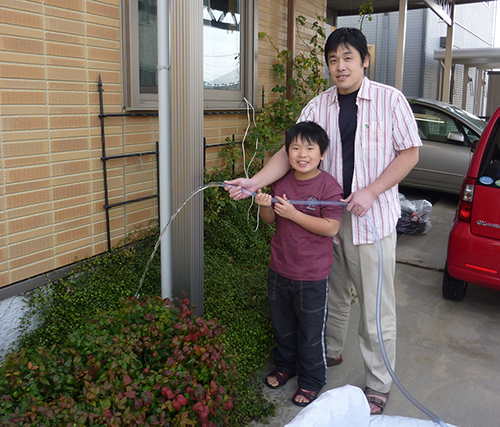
{"points": [[448, 135], [474, 243]]}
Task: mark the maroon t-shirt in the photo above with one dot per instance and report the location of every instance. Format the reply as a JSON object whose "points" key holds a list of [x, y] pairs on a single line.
{"points": [[297, 253]]}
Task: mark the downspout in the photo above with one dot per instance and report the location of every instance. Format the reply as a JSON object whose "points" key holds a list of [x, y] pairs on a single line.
{"points": [[290, 45], [385, 48], [165, 145], [423, 53]]}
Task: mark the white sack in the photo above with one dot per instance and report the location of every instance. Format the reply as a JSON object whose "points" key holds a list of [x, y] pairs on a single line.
{"points": [[344, 406], [347, 407]]}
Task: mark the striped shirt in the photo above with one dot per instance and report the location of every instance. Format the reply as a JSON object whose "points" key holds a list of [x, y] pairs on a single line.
{"points": [[385, 126]]}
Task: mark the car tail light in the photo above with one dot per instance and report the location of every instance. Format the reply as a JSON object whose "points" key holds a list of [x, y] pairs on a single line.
{"points": [[465, 203]]}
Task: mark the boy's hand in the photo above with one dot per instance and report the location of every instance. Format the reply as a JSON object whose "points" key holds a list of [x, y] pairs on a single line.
{"points": [[263, 199], [284, 209]]}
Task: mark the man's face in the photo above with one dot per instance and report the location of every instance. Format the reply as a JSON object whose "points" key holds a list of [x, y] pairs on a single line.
{"points": [[347, 68]]}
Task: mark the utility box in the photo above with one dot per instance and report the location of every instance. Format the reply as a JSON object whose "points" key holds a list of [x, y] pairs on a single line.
{"points": [[493, 100]]}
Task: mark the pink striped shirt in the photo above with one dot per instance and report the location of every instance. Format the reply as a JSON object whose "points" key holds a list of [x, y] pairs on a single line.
{"points": [[385, 126]]}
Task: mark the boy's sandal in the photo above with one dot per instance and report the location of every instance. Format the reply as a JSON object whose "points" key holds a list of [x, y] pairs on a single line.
{"points": [[281, 377], [377, 398], [308, 394]]}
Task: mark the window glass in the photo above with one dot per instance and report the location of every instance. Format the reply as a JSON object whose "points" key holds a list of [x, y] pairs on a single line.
{"points": [[148, 47], [229, 52], [433, 125], [222, 44], [471, 134], [490, 164]]}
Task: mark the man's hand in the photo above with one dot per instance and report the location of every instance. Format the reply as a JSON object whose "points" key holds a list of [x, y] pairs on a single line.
{"points": [[360, 202], [284, 209], [236, 185]]}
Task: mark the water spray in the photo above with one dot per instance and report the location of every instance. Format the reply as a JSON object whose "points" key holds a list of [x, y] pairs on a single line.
{"points": [[215, 184]]}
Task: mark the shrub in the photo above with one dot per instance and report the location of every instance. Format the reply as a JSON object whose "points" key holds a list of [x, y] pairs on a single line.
{"points": [[96, 284], [146, 363], [236, 265]]}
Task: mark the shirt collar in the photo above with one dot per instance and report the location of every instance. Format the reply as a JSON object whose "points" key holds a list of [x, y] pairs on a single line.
{"points": [[364, 91]]}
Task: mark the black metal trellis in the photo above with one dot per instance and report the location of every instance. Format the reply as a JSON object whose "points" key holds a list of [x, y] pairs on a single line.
{"points": [[105, 159]]}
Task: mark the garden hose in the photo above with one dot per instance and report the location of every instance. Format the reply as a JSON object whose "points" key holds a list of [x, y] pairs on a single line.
{"points": [[422, 408]]}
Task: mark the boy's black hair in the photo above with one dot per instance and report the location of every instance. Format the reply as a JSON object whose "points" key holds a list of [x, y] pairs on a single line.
{"points": [[346, 36], [310, 133]]}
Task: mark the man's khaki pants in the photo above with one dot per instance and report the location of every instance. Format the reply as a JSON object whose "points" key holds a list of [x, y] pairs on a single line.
{"points": [[359, 265]]}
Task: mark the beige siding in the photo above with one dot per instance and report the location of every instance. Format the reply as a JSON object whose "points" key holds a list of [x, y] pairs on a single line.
{"points": [[51, 180]]}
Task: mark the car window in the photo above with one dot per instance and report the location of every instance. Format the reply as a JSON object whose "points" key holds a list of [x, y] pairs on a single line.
{"points": [[434, 125], [472, 136], [489, 172]]}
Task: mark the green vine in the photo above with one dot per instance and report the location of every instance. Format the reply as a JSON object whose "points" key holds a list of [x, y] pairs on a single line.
{"points": [[365, 11]]}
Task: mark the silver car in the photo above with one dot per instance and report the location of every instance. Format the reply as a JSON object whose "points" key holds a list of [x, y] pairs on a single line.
{"points": [[448, 134]]}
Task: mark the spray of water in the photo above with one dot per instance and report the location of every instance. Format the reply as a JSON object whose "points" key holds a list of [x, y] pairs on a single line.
{"points": [[194, 193]]}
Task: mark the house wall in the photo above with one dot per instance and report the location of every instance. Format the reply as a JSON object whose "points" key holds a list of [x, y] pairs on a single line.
{"points": [[51, 182]]}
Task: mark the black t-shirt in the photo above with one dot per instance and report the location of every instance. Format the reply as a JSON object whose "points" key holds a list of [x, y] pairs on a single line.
{"points": [[348, 114]]}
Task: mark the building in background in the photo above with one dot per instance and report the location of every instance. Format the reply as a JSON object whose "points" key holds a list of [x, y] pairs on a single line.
{"points": [[424, 51]]}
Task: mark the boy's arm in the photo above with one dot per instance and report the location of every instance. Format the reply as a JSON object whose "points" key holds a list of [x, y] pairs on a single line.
{"points": [[322, 226], [267, 214]]}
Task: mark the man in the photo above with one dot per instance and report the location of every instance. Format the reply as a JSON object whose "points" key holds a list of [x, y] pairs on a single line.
{"points": [[374, 144]]}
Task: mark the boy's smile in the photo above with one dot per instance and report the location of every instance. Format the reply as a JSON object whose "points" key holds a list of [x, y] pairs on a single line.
{"points": [[304, 158]]}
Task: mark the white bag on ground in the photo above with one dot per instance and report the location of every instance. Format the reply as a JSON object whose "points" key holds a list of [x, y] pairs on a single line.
{"points": [[344, 406], [347, 407]]}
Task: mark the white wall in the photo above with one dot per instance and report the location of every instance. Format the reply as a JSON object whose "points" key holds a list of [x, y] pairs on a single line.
{"points": [[11, 310]]}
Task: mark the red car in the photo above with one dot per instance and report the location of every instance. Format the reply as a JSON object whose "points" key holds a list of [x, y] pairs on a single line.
{"points": [[474, 242]]}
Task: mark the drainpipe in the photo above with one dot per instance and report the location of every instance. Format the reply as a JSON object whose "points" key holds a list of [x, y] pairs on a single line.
{"points": [[400, 57], [290, 45], [385, 48], [165, 146], [421, 86]]}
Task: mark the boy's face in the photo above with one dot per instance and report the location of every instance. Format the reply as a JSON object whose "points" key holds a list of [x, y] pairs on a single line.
{"points": [[304, 158], [347, 68]]}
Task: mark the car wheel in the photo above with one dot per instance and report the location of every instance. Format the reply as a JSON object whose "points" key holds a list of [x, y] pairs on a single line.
{"points": [[453, 289]]}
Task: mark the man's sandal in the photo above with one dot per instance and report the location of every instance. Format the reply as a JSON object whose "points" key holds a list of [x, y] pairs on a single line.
{"points": [[281, 377], [308, 394], [377, 398]]}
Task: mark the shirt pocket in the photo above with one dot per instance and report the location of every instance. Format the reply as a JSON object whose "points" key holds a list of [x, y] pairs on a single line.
{"points": [[376, 143]]}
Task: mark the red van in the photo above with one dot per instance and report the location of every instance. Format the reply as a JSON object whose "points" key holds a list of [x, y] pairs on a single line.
{"points": [[474, 243]]}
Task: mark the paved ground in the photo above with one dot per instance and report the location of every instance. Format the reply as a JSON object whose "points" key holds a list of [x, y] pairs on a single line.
{"points": [[448, 352]]}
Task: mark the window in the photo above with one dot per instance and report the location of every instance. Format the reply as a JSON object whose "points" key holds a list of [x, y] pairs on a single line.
{"points": [[438, 127], [229, 54]]}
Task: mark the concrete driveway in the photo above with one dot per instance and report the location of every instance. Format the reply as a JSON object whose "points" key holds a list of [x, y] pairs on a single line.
{"points": [[448, 353]]}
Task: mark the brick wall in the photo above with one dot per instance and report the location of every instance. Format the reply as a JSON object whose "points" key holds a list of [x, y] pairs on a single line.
{"points": [[51, 182]]}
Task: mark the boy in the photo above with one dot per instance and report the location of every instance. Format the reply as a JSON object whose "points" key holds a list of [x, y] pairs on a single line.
{"points": [[301, 260]]}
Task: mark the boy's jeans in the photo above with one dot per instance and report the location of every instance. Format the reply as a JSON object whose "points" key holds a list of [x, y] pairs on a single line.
{"points": [[298, 311]]}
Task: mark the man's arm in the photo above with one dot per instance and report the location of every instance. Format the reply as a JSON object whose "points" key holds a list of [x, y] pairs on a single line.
{"points": [[360, 202], [275, 168]]}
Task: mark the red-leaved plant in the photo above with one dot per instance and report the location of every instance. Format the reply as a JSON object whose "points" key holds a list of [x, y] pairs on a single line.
{"points": [[151, 362]]}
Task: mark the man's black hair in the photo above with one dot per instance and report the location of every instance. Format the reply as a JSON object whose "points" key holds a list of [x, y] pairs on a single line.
{"points": [[310, 133], [346, 36]]}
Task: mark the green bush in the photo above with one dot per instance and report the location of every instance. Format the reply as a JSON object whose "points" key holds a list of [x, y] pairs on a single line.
{"points": [[236, 265], [96, 284], [146, 363]]}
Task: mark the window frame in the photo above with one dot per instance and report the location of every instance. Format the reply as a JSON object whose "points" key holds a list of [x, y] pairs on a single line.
{"points": [[214, 100]]}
